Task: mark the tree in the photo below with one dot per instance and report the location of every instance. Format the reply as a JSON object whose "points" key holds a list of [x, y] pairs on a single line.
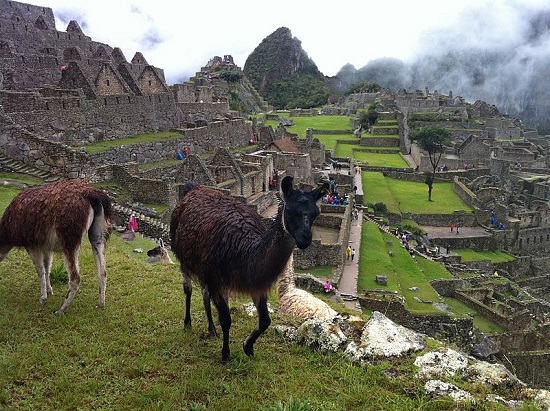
{"points": [[369, 117], [433, 140]]}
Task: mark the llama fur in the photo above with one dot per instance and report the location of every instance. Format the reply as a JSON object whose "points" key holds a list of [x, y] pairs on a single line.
{"points": [[297, 302], [55, 217], [226, 247], [159, 254]]}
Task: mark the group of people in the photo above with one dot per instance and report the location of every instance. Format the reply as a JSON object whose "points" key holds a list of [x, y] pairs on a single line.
{"points": [[455, 228], [350, 253], [335, 199], [495, 223], [181, 155]]}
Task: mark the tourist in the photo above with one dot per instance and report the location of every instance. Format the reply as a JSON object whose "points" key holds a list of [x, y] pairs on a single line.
{"points": [[132, 223], [179, 156], [352, 254], [327, 287], [348, 252]]}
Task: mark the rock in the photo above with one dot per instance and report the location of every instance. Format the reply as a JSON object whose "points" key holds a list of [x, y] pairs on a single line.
{"points": [[323, 335], [440, 363], [439, 389], [381, 337], [492, 374]]}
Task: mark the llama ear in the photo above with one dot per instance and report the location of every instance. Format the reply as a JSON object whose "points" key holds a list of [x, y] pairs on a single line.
{"points": [[321, 191], [286, 186]]}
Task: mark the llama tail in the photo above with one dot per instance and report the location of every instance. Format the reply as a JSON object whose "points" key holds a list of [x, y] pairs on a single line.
{"points": [[103, 213]]}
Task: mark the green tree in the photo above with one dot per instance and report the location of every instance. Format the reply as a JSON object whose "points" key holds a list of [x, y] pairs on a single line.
{"points": [[231, 76], [433, 140], [363, 87], [369, 117]]}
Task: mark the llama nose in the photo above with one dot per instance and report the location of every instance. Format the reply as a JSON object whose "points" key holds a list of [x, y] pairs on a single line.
{"points": [[303, 240]]}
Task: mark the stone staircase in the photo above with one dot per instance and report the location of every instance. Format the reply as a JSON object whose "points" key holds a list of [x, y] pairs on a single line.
{"points": [[15, 166], [152, 227]]}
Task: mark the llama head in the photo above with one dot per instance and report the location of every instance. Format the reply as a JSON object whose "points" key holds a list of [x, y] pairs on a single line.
{"points": [[159, 253], [300, 211]]}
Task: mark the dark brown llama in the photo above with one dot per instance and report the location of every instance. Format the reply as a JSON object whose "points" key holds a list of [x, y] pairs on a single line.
{"points": [[55, 217], [227, 247]]}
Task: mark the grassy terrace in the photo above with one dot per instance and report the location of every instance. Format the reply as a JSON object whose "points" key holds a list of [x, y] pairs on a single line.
{"points": [[408, 196], [405, 273], [493, 256]]}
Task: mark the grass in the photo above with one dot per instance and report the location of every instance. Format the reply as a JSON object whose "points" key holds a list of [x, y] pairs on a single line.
{"points": [[403, 271], [380, 159], [320, 271], [409, 196], [134, 354], [300, 124], [494, 256], [21, 178]]}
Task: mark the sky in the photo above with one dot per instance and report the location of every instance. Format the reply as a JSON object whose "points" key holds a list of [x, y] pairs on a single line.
{"points": [[181, 36]]}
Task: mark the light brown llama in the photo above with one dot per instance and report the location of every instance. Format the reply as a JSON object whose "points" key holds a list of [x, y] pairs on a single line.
{"points": [[55, 217], [227, 247], [300, 303], [159, 254]]}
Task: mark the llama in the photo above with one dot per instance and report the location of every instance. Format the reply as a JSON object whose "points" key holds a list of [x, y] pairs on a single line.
{"points": [[159, 254], [55, 217], [227, 247], [297, 302]]}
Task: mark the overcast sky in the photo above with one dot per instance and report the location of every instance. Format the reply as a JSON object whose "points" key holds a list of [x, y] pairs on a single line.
{"points": [[181, 36]]}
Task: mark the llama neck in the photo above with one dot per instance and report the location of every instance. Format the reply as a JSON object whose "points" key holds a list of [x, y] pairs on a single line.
{"points": [[286, 283], [275, 247]]}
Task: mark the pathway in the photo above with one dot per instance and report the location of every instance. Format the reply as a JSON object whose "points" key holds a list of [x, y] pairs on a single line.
{"points": [[350, 273]]}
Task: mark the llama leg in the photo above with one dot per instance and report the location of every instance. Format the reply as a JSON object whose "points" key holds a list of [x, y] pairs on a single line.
{"points": [[48, 259], [188, 291], [71, 264], [38, 258], [263, 323], [224, 317], [99, 257], [98, 235], [208, 309]]}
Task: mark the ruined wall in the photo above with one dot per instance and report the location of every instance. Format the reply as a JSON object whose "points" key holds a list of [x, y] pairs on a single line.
{"points": [[529, 367], [379, 142], [75, 120], [200, 140], [457, 330]]}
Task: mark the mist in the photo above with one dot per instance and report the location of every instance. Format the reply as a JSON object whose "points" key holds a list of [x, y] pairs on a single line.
{"points": [[498, 52]]}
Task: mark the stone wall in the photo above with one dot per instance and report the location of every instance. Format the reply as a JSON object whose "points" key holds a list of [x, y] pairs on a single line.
{"points": [[513, 321], [466, 194], [55, 158], [457, 330], [528, 367], [379, 142], [443, 220], [230, 133]]}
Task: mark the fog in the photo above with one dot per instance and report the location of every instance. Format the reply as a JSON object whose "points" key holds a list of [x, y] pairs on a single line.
{"points": [[498, 53]]}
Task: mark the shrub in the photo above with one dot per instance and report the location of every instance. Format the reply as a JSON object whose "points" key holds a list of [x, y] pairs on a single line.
{"points": [[380, 208]]}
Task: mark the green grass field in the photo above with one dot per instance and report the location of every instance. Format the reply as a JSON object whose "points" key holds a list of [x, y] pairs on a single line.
{"points": [[135, 354], [408, 196], [493, 256], [403, 271]]}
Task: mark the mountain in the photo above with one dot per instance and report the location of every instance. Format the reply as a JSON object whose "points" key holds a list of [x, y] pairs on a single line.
{"points": [[283, 74]]}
